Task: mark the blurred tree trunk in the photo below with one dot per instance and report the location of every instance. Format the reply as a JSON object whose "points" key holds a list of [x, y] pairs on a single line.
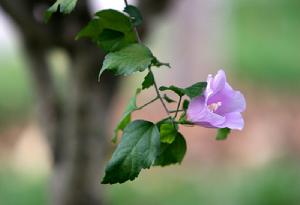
{"points": [[75, 123]]}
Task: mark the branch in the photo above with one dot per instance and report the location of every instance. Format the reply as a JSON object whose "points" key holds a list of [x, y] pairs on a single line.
{"points": [[148, 103]]}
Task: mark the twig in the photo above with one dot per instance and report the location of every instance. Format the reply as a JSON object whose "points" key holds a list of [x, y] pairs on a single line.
{"points": [[148, 103], [158, 94], [178, 105]]}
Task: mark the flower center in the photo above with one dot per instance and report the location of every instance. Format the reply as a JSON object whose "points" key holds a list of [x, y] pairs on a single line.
{"points": [[214, 106]]}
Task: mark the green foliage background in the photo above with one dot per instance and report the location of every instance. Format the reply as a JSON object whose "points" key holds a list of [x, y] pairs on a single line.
{"points": [[275, 184], [265, 41]]}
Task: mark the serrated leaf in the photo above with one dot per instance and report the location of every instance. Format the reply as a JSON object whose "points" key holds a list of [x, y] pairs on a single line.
{"points": [[135, 14], [168, 99], [137, 150], [171, 153], [195, 90], [109, 29], [65, 6], [167, 133], [126, 117], [148, 81], [133, 58], [223, 133]]}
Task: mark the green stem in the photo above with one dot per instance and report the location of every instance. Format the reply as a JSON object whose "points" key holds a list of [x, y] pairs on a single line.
{"points": [[174, 111], [149, 68], [185, 123], [178, 105], [134, 28], [148, 103], [158, 94]]}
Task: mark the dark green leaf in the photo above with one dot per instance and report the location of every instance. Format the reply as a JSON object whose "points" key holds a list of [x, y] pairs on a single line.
{"points": [[110, 29], [167, 133], [223, 133], [171, 153], [135, 57], [135, 14], [168, 99], [65, 6], [137, 150], [92, 30], [177, 90], [148, 81], [195, 90], [185, 104], [126, 117], [192, 91], [110, 40], [157, 63]]}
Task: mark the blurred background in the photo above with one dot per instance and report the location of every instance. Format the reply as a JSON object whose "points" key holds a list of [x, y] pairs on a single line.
{"points": [[56, 120]]}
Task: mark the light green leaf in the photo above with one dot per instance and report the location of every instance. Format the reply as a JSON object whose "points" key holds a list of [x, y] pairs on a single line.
{"points": [[148, 81], [126, 117], [167, 133], [137, 150], [133, 58], [171, 153], [109, 29], [65, 6], [135, 14], [223, 133]]}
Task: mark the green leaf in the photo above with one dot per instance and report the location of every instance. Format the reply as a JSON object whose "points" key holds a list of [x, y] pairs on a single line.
{"points": [[109, 29], [157, 63], [126, 117], [223, 133], [177, 90], [65, 6], [148, 81], [110, 40], [185, 104], [168, 99], [137, 150], [195, 90], [171, 153], [167, 133], [167, 120], [135, 14], [133, 58]]}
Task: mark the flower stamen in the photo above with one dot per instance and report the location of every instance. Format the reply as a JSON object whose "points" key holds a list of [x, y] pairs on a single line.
{"points": [[214, 106]]}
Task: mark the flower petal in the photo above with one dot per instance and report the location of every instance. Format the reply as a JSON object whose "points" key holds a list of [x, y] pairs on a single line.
{"points": [[234, 120], [199, 114], [219, 81], [232, 101], [196, 109]]}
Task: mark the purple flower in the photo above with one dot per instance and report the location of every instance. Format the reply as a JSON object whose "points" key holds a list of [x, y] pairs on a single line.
{"points": [[220, 106]]}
